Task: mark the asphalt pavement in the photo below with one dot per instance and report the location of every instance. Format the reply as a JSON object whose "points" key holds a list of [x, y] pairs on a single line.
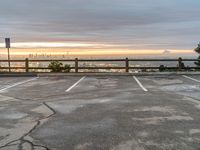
{"points": [[154, 112]]}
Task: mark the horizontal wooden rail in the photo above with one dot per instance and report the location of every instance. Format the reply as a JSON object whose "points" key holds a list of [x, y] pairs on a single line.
{"points": [[98, 60], [60, 60], [126, 64], [12, 60]]}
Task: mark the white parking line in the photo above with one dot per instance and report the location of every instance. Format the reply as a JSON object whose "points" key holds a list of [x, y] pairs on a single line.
{"points": [[140, 84], [191, 78], [75, 84], [18, 83]]}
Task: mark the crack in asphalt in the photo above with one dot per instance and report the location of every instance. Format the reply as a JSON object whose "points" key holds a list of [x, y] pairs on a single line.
{"points": [[23, 139], [3, 137]]}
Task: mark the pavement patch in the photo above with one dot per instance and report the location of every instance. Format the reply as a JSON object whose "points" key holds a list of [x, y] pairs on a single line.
{"points": [[165, 109], [194, 131], [157, 120], [129, 145], [12, 115]]}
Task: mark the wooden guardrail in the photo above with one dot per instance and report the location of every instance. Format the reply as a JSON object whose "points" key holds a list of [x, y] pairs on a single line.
{"points": [[126, 67]]}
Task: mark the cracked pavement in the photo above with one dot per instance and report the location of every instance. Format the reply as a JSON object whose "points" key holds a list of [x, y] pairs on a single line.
{"points": [[100, 113]]}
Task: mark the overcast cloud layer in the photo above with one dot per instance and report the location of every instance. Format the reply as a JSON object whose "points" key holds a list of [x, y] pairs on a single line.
{"points": [[135, 24]]}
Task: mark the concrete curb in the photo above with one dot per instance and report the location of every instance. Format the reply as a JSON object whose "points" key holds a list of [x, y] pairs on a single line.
{"points": [[95, 74], [118, 74], [83, 74], [18, 74], [165, 73]]}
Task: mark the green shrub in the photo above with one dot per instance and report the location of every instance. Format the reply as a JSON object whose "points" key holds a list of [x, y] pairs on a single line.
{"points": [[66, 68], [56, 66], [162, 68]]}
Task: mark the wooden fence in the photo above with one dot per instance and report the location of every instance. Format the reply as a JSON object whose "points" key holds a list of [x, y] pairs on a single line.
{"points": [[76, 66]]}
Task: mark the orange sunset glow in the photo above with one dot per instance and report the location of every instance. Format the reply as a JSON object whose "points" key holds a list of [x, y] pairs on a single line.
{"points": [[84, 49], [91, 52]]}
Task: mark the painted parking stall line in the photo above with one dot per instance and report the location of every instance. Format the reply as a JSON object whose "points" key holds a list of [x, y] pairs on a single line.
{"points": [[18, 83], [140, 84], [75, 84], [193, 79]]}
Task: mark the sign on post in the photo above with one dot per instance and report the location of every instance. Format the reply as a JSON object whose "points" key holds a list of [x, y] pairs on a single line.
{"points": [[7, 42]]}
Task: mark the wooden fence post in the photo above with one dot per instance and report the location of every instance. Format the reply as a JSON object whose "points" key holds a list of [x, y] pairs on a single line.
{"points": [[76, 65], [127, 65], [27, 64]]}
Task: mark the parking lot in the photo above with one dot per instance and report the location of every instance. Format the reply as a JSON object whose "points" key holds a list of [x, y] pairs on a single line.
{"points": [[158, 112]]}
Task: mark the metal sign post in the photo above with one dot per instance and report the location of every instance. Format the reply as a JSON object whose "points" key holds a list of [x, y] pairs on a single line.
{"points": [[7, 42]]}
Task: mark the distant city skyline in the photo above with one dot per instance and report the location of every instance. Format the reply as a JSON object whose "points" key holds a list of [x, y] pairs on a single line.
{"points": [[96, 27], [106, 53]]}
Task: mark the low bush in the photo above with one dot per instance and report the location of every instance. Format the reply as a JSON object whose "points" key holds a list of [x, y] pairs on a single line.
{"points": [[56, 66], [162, 68], [66, 68]]}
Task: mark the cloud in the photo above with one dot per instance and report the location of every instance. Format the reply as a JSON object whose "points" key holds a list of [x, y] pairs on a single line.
{"points": [[132, 23]]}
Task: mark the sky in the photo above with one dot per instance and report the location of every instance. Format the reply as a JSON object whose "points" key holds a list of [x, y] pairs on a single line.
{"points": [[101, 25]]}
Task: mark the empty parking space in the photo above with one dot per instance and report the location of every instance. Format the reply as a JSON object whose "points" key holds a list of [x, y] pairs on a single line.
{"points": [[9, 86], [101, 112], [103, 87], [187, 85], [6, 81], [42, 88]]}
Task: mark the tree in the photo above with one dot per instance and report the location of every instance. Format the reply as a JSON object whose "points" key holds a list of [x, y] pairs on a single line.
{"points": [[198, 51]]}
